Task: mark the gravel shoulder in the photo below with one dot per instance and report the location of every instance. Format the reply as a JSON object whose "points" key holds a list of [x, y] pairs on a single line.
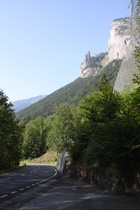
{"points": [[69, 194]]}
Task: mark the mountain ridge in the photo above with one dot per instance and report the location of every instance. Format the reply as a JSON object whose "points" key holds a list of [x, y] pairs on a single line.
{"points": [[23, 103], [71, 94]]}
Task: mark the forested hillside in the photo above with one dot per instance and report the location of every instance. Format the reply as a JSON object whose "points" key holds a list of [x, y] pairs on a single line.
{"points": [[71, 94]]}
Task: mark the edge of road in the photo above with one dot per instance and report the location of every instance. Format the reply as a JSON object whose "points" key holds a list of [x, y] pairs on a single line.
{"points": [[23, 197], [39, 187]]}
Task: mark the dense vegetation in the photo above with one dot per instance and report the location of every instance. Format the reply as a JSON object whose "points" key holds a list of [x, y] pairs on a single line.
{"points": [[109, 131], [34, 144], [71, 94], [10, 135]]}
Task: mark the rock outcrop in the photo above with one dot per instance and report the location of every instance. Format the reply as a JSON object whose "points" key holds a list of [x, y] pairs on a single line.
{"points": [[125, 75], [120, 46], [84, 70], [119, 42], [91, 66]]}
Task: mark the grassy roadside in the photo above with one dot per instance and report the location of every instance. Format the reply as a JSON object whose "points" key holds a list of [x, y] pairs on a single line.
{"points": [[49, 158]]}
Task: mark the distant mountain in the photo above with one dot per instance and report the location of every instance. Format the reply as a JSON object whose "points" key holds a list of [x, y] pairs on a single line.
{"points": [[22, 104]]}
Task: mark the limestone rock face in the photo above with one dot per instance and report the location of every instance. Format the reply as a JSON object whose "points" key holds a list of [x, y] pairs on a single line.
{"points": [[91, 66], [125, 75], [85, 71], [119, 42], [121, 45]]}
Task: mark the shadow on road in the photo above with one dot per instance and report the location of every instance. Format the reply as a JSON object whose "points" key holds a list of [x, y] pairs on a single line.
{"points": [[72, 195]]}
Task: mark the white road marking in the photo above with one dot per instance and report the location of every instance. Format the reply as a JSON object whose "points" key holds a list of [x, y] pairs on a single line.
{"points": [[28, 187], [22, 189], [13, 192], [53, 175], [37, 182], [4, 179], [3, 196]]}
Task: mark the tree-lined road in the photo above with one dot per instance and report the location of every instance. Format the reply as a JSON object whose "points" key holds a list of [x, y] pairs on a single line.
{"points": [[17, 182]]}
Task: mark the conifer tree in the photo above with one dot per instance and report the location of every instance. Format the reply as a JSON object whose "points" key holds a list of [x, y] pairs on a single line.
{"points": [[10, 135]]}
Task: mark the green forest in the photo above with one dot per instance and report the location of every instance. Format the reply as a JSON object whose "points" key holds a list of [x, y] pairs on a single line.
{"points": [[101, 131]]}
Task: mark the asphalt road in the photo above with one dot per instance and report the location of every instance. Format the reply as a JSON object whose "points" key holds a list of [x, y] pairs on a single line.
{"points": [[39, 187], [20, 181], [69, 194]]}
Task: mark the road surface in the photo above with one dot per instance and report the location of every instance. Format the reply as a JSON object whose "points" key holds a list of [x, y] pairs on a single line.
{"points": [[69, 194], [39, 187], [20, 181]]}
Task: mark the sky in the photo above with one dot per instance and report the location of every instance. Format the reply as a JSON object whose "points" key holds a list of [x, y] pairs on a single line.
{"points": [[43, 42]]}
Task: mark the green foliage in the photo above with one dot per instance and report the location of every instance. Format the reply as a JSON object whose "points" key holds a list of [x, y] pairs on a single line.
{"points": [[34, 144], [137, 59], [10, 135], [108, 130], [102, 106], [62, 132]]}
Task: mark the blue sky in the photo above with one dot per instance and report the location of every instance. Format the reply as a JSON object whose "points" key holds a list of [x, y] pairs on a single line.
{"points": [[43, 42]]}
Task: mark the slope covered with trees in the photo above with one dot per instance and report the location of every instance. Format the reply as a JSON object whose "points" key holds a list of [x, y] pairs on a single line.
{"points": [[70, 94]]}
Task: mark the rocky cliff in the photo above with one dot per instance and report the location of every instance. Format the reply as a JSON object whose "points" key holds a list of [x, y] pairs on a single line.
{"points": [[91, 66], [120, 46], [119, 42]]}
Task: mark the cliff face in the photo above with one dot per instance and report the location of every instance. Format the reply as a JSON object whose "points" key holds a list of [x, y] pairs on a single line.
{"points": [[120, 46], [119, 42], [91, 66], [85, 71], [125, 75]]}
